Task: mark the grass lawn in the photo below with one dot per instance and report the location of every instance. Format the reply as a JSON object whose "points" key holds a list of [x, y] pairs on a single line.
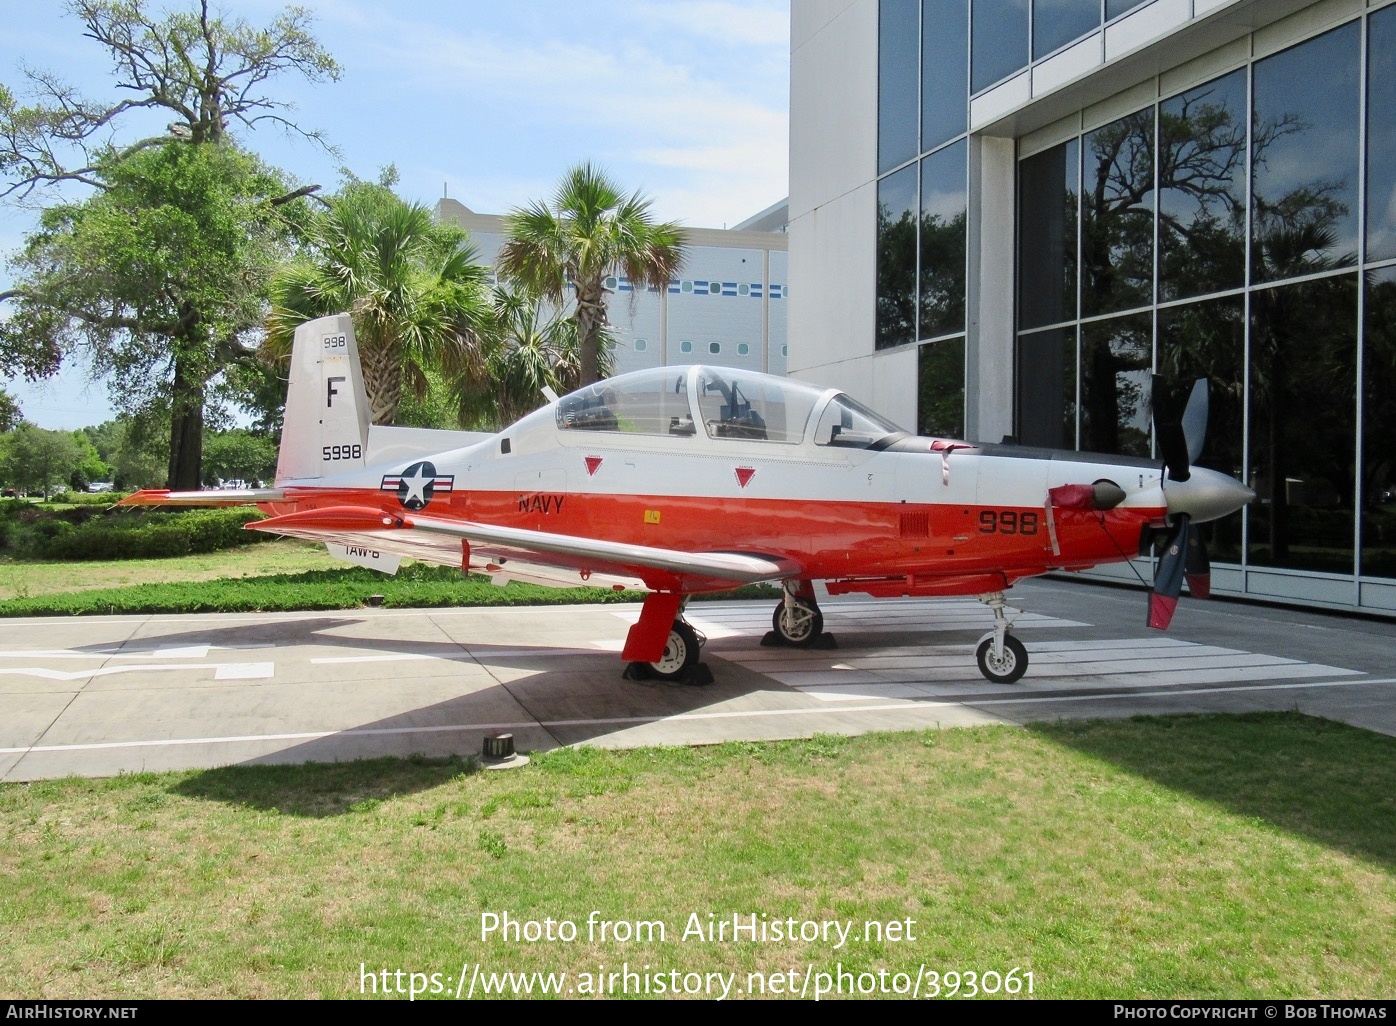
{"points": [[1179, 857], [285, 556], [291, 577]]}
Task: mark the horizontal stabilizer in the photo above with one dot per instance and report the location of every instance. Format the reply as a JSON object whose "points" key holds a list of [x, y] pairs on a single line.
{"points": [[212, 497]]}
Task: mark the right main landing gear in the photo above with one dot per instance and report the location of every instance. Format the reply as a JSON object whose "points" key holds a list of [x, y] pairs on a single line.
{"points": [[680, 653]]}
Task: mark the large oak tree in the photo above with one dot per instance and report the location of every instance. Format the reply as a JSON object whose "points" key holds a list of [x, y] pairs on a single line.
{"points": [[161, 264]]}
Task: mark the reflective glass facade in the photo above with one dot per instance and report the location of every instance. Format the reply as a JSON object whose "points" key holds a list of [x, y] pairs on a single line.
{"points": [[922, 197], [1241, 227], [1244, 230]]}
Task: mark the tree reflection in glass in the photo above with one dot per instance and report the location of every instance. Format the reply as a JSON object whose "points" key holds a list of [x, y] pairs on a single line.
{"points": [[1047, 388], [1116, 364], [1379, 427], [940, 399], [1207, 340], [1303, 381], [943, 207], [1202, 189], [1304, 157], [897, 205], [1117, 218]]}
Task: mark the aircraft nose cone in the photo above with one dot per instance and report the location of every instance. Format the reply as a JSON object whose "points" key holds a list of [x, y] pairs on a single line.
{"points": [[1206, 495]]}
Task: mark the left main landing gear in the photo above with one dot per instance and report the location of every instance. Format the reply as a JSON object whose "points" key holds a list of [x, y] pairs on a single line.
{"points": [[1002, 657]]}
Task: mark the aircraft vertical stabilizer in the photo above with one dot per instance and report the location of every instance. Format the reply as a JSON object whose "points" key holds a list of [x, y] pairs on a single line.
{"points": [[327, 416]]}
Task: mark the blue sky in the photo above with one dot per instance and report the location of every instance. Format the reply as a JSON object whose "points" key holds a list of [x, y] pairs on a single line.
{"points": [[686, 100]]}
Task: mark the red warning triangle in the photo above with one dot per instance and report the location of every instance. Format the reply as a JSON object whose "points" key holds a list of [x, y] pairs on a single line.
{"points": [[744, 475], [593, 464]]}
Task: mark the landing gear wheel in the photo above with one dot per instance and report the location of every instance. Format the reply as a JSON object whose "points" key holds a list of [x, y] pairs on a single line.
{"points": [[1006, 669], [801, 629], [680, 653]]}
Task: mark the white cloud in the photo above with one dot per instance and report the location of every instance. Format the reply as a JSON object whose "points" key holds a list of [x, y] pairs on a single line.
{"points": [[665, 111], [761, 24]]}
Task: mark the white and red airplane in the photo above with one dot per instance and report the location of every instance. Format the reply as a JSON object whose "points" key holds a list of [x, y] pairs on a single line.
{"points": [[682, 480]]}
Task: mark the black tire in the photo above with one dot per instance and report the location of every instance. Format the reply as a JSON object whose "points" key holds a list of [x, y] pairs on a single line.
{"points": [[680, 653], [1008, 669], [805, 630]]}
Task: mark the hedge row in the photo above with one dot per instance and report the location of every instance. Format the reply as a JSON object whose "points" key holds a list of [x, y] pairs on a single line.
{"points": [[416, 586], [148, 535], [87, 498]]}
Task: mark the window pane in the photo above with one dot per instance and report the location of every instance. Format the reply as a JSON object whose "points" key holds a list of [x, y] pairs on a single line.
{"points": [[944, 70], [1116, 365], [1304, 143], [943, 208], [1303, 440], [1207, 340], [897, 204], [998, 41], [1057, 22], [940, 398], [1115, 8], [1047, 388], [1379, 427], [1381, 136], [1117, 215], [1047, 191], [1202, 189], [898, 35]]}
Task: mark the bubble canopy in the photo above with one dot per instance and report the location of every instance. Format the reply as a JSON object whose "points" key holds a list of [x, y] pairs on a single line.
{"points": [[721, 403]]}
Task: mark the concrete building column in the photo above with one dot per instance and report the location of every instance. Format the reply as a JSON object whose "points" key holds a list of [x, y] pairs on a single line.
{"points": [[991, 290]]}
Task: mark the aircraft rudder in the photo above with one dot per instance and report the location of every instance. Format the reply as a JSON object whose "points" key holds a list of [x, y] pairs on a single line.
{"points": [[325, 429]]}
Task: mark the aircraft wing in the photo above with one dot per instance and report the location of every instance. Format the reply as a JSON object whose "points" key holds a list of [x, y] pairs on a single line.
{"points": [[212, 497], [660, 568]]}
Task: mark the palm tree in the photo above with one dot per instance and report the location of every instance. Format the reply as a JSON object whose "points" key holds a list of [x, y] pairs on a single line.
{"points": [[417, 297], [530, 348], [592, 230]]}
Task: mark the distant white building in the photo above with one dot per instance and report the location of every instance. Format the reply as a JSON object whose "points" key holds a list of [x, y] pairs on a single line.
{"points": [[727, 307]]}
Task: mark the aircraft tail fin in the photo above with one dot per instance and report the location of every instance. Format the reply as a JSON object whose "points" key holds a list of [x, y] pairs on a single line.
{"points": [[327, 415]]}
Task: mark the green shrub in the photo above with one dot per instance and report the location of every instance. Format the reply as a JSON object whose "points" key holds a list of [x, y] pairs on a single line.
{"points": [[131, 534], [87, 498]]}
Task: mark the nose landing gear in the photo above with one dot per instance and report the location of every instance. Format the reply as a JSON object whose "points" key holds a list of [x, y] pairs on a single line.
{"points": [[796, 621], [1002, 657]]}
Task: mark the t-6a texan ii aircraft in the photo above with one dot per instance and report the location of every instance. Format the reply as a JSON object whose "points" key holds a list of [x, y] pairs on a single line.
{"points": [[682, 480]]}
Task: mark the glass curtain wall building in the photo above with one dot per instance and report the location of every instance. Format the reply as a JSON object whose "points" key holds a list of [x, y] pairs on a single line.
{"points": [[1071, 196]]}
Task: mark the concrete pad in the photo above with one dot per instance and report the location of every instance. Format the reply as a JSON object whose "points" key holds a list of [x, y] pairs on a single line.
{"points": [[28, 716], [129, 693]]}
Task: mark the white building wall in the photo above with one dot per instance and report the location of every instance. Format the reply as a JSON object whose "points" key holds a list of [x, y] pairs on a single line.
{"points": [[833, 200]]}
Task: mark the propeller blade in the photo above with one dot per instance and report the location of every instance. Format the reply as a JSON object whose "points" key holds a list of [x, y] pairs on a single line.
{"points": [[1168, 577], [1198, 568], [1195, 419], [1169, 432]]}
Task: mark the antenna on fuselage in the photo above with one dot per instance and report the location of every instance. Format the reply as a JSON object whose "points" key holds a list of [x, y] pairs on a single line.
{"points": [[549, 394]]}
